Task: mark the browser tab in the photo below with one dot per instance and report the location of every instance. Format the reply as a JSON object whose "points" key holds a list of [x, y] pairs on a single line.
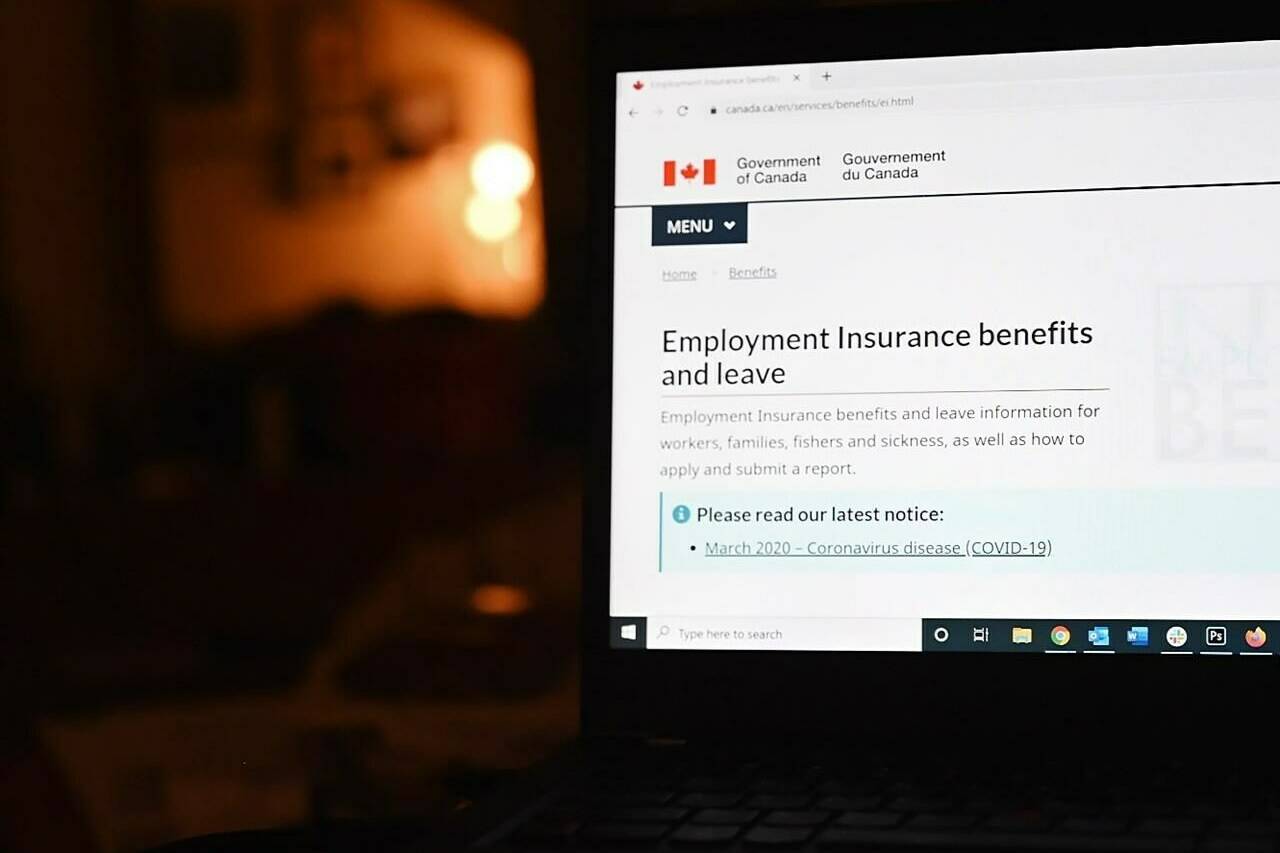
{"points": [[699, 224]]}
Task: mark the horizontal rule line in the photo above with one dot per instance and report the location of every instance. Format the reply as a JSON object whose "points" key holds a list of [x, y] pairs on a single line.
{"points": [[978, 193], [883, 393]]}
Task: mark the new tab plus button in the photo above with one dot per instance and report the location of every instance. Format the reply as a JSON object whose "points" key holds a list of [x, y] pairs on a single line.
{"points": [[699, 224]]}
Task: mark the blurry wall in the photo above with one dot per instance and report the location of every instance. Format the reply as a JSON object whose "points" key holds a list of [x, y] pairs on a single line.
{"points": [[148, 212], [288, 451], [70, 214], [332, 160]]}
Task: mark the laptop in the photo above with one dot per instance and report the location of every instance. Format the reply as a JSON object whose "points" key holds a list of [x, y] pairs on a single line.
{"points": [[936, 415]]}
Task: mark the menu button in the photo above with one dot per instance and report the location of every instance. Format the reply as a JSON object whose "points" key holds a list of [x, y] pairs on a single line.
{"points": [[699, 224]]}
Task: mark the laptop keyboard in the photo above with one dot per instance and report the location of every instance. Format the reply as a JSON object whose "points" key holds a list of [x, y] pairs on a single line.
{"points": [[754, 808]]}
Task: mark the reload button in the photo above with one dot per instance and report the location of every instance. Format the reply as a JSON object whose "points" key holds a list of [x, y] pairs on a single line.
{"points": [[699, 224]]}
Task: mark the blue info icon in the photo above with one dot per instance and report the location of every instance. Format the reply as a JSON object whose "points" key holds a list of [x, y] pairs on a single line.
{"points": [[681, 514]]}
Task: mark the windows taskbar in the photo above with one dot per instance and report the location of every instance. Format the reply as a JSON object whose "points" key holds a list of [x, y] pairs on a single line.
{"points": [[1103, 636]]}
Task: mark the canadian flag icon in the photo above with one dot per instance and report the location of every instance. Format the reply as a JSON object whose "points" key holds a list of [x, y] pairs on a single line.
{"points": [[672, 172]]}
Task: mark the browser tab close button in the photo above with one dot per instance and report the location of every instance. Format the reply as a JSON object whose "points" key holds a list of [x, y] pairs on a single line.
{"points": [[699, 224]]}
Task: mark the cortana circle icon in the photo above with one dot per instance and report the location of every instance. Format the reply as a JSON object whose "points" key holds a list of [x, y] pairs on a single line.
{"points": [[681, 514]]}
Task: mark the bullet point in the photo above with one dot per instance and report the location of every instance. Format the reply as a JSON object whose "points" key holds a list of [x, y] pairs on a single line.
{"points": [[693, 547]]}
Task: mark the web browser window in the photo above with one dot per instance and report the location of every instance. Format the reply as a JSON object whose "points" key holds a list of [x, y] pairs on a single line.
{"points": [[950, 354]]}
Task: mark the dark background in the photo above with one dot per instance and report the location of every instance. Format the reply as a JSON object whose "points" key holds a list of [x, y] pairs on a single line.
{"points": [[263, 567]]}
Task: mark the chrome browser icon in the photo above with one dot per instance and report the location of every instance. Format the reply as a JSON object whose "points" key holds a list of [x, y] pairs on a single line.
{"points": [[1060, 635]]}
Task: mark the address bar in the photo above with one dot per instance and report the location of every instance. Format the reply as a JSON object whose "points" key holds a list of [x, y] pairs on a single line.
{"points": [[824, 105], [1254, 84]]}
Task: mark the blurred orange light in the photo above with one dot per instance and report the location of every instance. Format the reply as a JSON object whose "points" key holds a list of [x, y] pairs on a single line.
{"points": [[502, 170], [492, 219], [499, 599]]}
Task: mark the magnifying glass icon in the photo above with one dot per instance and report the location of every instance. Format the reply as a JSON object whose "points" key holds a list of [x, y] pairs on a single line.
{"points": [[663, 631]]}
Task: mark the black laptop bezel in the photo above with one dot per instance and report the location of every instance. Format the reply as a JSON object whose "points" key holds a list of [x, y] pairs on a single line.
{"points": [[838, 695]]}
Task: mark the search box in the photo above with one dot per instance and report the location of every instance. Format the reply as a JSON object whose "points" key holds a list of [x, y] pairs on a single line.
{"points": [[767, 633]]}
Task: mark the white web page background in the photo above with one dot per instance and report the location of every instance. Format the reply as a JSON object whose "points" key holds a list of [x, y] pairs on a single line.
{"points": [[1180, 287]]}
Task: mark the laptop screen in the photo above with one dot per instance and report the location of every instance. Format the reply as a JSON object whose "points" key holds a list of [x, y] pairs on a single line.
{"points": [[961, 354]]}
